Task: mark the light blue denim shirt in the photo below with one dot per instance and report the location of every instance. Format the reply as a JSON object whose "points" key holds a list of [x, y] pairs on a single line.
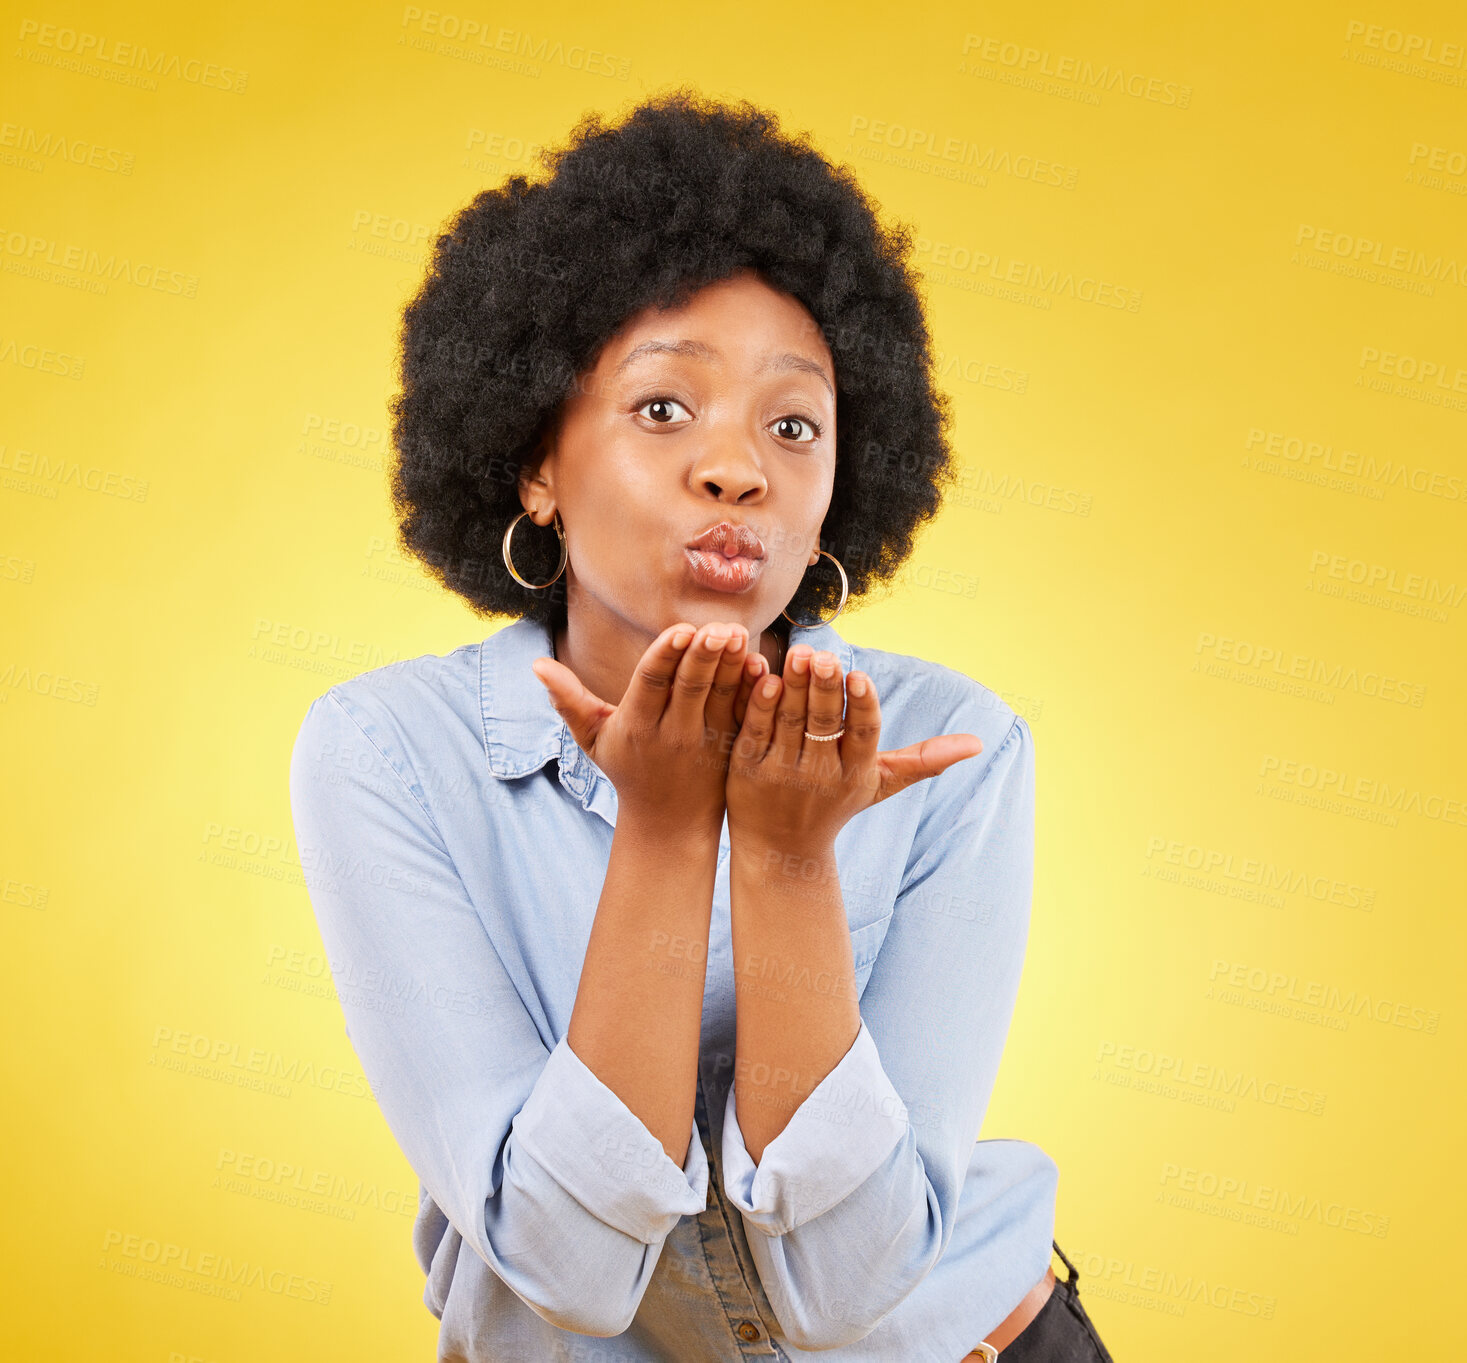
{"points": [[454, 839]]}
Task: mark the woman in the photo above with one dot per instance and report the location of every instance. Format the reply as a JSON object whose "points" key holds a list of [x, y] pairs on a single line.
{"points": [[679, 940]]}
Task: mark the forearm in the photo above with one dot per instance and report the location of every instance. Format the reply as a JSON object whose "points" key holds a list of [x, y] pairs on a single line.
{"points": [[637, 1018], [794, 982]]}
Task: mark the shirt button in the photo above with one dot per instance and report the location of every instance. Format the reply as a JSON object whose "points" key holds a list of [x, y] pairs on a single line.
{"points": [[748, 1330]]}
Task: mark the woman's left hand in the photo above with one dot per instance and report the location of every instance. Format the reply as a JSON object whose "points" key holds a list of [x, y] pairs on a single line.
{"points": [[793, 793]]}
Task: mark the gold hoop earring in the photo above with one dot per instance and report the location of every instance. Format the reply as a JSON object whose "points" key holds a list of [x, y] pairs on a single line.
{"points": [[509, 563], [845, 591]]}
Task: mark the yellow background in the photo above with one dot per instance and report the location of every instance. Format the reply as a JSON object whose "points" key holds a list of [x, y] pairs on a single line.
{"points": [[194, 462]]}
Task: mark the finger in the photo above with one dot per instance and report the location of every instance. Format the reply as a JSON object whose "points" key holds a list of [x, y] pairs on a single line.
{"points": [[651, 684], [694, 677], [916, 762], [789, 715], [756, 667], [863, 724], [583, 711], [718, 712], [757, 729], [826, 701]]}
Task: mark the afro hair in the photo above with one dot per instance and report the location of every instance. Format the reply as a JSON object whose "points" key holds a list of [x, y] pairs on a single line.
{"points": [[531, 279]]}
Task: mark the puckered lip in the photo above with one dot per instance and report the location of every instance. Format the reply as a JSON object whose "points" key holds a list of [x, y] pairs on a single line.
{"points": [[729, 536]]}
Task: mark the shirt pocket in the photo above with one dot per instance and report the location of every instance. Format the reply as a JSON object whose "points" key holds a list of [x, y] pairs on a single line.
{"points": [[865, 947]]}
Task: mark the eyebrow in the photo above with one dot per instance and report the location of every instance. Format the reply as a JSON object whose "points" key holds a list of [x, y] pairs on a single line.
{"points": [[698, 350]]}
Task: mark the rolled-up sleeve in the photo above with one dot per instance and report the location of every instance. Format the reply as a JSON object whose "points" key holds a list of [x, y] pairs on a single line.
{"points": [[623, 1176], [855, 1200], [825, 1151], [556, 1184]]}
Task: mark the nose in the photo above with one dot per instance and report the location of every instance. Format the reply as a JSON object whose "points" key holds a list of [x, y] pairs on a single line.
{"points": [[727, 468]]}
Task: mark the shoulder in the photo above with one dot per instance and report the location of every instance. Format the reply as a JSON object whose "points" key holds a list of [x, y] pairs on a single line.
{"points": [[921, 698], [415, 712], [411, 686], [964, 807]]}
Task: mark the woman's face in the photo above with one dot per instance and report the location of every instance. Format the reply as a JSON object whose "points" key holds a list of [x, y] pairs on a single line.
{"points": [[721, 411]]}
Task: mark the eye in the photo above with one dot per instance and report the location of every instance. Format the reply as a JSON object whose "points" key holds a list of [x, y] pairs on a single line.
{"points": [[795, 420], [663, 401]]}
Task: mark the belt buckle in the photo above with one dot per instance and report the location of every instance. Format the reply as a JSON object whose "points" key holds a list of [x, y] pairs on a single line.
{"points": [[987, 1351]]}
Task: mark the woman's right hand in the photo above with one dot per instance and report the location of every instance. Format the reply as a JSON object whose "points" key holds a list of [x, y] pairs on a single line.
{"points": [[665, 747]]}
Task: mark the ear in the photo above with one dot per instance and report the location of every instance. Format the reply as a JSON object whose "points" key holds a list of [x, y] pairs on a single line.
{"points": [[536, 492], [536, 481]]}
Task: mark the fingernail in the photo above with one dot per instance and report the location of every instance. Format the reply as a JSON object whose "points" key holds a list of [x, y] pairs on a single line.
{"points": [[682, 638], [800, 663], [771, 685], [856, 685]]}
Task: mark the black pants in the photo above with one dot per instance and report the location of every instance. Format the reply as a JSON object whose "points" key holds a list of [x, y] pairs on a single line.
{"points": [[1061, 1332]]}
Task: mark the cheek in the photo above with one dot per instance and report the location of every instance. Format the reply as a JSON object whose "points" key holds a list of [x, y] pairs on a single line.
{"points": [[612, 487], [818, 488], [808, 502], [630, 498], [619, 506]]}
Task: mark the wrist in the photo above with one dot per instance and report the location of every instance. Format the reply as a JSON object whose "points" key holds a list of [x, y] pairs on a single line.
{"points": [[768, 855], [756, 841], [690, 837], [780, 878]]}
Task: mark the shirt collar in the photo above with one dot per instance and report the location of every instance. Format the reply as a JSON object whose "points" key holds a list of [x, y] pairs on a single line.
{"points": [[522, 730]]}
